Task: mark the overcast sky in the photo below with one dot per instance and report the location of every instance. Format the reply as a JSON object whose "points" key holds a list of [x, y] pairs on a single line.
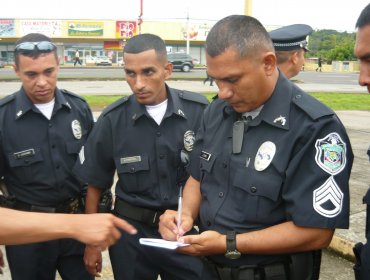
{"points": [[320, 14]]}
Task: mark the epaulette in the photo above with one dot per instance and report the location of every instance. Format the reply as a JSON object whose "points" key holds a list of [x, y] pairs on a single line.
{"points": [[72, 94], [7, 99], [314, 108], [115, 104], [192, 96]]}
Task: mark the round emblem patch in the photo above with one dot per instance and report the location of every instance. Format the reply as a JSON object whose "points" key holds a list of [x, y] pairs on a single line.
{"points": [[76, 129], [264, 156], [189, 138]]}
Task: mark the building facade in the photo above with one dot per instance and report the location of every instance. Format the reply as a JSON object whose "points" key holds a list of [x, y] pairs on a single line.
{"points": [[102, 37]]}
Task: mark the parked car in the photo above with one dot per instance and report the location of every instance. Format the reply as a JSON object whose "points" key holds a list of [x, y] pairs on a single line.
{"points": [[103, 60], [2, 64], [89, 60], [181, 61]]}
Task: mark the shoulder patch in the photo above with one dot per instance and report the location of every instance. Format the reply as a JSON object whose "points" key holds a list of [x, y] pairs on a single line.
{"points": [[314, 108], [64, 91], [192, 96], [115, 104], [7, 99]]}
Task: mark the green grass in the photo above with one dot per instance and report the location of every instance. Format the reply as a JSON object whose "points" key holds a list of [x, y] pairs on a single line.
{"points": [[344, 101], [336, 101]]}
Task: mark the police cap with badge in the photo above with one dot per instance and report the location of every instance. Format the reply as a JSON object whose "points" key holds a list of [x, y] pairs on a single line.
{"points": [[291, 37]]}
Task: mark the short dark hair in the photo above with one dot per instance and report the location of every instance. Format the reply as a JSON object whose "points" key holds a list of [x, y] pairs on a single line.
{"points": [[32, 37], [145, 42], [364, 18], [244, 34]]}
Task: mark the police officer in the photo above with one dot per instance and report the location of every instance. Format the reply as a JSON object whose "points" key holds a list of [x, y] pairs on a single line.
{"points": [[362, 51], [290, 43], [42, 129], [146, 138], [273, 164]]}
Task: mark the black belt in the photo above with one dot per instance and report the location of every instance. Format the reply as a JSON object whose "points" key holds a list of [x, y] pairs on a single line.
{"points": [[276, 271], [140, 214], [70, 206]]}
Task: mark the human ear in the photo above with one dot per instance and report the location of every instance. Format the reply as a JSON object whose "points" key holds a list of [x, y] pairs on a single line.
{"points": [[168, 70], [269, 61]]}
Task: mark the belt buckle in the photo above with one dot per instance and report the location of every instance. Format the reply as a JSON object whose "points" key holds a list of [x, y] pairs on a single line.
{"points": [[73, 206], [154, 221], [43, 209]]}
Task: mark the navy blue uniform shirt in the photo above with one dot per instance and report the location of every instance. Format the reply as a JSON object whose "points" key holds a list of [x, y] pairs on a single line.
{"points": [[294, 165], [37, 155], [147, 156]]}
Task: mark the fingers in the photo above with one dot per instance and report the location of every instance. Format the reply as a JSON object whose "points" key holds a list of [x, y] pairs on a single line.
{"points": [[93, 260], [168, 225], [122, 224], [189, 239]]}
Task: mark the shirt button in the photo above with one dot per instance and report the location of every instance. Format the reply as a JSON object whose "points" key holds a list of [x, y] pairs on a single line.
{"points": [[50, 125], [158, 134], [224, 165], [253, 189], [132, 170], [220, 194], [209, 223], [165, 197]]}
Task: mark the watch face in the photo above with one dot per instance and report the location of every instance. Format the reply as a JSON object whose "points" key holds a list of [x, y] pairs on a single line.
{"points": [[232, 254]]}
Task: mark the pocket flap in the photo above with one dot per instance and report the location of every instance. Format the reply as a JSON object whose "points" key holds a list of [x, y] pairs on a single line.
{"points": [[25, 157], [257, 183]]}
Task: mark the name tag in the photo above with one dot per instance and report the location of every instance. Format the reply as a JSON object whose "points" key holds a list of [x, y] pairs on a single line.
{"points": [[25, 153], [127, 160], [205, 155]]}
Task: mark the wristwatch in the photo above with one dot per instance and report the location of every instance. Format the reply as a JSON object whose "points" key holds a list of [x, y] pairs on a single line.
{"points": [[231, 251]]}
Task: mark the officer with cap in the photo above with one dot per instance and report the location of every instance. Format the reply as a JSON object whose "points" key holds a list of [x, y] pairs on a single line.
{"points": [[147, 138], [290, 43]]}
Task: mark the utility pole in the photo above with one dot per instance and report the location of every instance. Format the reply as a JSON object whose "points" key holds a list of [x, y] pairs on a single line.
{"points": [[187, 33], [248, 7]]}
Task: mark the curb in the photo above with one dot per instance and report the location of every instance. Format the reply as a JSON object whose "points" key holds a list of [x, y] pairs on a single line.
{"points": [[343, 248]]}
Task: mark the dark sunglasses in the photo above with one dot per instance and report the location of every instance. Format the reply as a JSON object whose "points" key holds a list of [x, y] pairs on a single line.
{"points": [[29, 47]]}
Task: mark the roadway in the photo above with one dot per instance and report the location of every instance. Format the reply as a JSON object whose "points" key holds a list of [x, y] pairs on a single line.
{"points": [[110, 81], [117, 73]]}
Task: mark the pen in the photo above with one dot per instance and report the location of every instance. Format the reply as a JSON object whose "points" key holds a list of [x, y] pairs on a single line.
{"points": [[179, 208]]}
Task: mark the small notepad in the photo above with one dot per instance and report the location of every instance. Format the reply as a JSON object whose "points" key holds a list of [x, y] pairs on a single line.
{"points": [[161, 243]]}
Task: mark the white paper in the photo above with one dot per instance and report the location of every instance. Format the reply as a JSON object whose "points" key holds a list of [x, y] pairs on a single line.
{"points": [[161, 243]]}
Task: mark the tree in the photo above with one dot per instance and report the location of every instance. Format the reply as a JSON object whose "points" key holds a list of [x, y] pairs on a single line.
{"points": [[332, 45]]}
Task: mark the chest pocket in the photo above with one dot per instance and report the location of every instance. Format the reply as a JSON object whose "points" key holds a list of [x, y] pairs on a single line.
{"points": [[134, 173], [258, 194], [25, 164]]}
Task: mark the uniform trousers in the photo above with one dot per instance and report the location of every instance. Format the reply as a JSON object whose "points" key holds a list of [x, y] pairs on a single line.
{"points": [[40, 261], [132, 261]]}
